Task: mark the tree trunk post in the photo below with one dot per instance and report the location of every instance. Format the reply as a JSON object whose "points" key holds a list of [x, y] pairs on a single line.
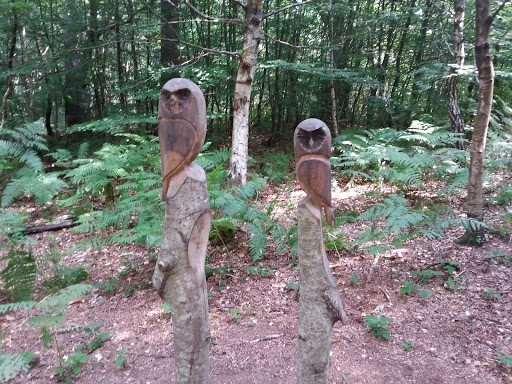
{"points": [[179, 275], [320, 304]]}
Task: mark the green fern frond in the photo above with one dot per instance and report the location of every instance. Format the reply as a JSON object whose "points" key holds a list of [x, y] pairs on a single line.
{"points": [[19, 275], [12, 364], [257, 240], [213, 159], [28, 182], [47, 321], [26, 306], [251, 188], [394, 211]]}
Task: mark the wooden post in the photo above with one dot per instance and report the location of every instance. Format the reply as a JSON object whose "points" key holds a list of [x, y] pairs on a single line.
{"points": [[320, 304], [179, 275]]}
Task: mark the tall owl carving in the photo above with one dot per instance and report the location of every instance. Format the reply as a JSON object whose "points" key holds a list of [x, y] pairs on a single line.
{"points": [[312, 140], [181, 127]]}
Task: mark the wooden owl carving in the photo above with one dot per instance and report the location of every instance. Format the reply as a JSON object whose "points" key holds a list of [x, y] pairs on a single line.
{"points": [[181, 127], [312, 140]]}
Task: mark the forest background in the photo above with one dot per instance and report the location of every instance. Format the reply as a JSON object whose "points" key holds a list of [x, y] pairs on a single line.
{"points": [[396, 81]]}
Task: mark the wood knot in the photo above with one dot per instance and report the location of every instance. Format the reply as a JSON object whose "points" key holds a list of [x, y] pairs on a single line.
{"points": [[164, 266]]}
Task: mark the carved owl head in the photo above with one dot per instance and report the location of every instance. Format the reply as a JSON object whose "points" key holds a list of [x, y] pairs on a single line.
{"points": [[182, 99], [312, 136]]}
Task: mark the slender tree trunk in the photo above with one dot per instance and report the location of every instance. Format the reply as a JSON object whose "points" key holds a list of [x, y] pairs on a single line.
{"points": [[456, 120], [334, 106], [169, 52], [474, 206], [243, 87], [76, 98], [119, 56], [10, 84]]}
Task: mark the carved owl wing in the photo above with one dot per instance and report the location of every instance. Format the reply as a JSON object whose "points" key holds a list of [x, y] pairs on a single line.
{"points": [[177, 139], [314, 175], [181, 127]]}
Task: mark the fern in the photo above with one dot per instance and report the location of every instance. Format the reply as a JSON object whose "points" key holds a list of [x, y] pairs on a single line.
{"points": [[12, 228], [28, 182], [257, 240], [405, 159], [19, 275], [12, 364], [22, 168], [275, 166]]}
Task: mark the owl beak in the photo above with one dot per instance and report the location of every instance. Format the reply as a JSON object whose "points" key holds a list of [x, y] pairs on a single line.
{"points": [[173, 100], [311, 142]]}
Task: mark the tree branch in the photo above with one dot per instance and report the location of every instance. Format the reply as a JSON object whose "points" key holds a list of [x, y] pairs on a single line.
{"points": [[240, 4], [235, 54], [210, 18], [284, 9], [497, 11]]}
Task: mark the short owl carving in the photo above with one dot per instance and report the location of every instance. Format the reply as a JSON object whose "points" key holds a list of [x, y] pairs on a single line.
{"points": [[181, 127], [312, 140]]}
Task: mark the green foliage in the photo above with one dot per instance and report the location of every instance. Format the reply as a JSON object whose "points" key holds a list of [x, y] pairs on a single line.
{"points": [[409, 288], [275, 166], [12, 228], [96, 338], [398, 221], [52, 308], [425, 275], [126, 176], [336, 239], [121, 360], [21, 168], [12, 364], [490, 294], [166, 308], [378, 326], [19, 275], [261, 270], [353, 278], [505, 358], [407, 345], [235, 315], [452, 282], [71, 366], [402, 158], [55, 304]]}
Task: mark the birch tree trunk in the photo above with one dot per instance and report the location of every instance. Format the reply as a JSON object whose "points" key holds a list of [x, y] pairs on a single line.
{"points": [[320, 304], [476, 236], [242, 101], [456, 120], [179, 274]]}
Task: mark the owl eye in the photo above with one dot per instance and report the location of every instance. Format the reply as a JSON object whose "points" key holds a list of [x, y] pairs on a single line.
{"points": [[304, 137], [318, 135], [182, 94], [165, 95]]}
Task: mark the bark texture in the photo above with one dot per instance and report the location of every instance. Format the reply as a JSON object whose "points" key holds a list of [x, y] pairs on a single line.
{"points": [[243, 87], [456, 120], [179, 274], [481, 125], [320, 304]]}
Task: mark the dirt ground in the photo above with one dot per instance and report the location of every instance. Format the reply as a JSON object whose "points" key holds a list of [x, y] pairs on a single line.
{"points": [[454, 335]]}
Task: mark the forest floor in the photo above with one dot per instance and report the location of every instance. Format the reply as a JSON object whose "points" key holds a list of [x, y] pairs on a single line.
{"points": [[454, 335]]}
